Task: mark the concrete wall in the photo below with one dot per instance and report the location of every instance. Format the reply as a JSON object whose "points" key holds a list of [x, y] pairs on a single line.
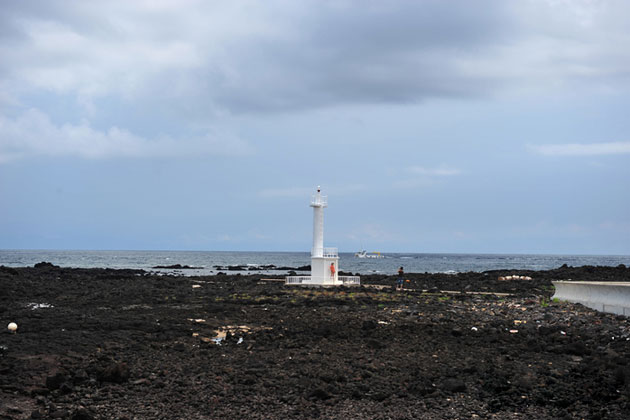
{"points": [[611, 297]]}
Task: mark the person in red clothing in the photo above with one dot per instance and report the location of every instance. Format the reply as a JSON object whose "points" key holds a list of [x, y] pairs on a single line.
{"points": [[332, 270], [400, 281]]}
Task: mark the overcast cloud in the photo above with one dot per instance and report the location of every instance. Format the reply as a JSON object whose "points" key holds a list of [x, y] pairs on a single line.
{"points": [[593, 149], [428, 97], [287, 56]]}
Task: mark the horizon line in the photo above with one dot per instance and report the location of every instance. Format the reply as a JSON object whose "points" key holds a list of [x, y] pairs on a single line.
{"points": [[308, 252]]}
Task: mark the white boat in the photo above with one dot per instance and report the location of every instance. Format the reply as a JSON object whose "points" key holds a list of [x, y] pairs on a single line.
{"points": [[364, 254]]}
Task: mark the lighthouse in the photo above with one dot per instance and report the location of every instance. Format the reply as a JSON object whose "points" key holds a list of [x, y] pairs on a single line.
{"points": [[324, 261]]}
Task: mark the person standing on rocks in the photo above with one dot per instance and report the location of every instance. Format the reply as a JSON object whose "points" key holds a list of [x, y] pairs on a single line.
{"points": [[332, 271], [399, 281]]}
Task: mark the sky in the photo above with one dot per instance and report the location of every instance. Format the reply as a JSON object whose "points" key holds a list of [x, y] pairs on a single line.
{"points": [[432, 126]]}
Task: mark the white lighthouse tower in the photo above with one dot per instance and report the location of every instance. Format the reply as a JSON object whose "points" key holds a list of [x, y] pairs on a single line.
{"points": [[324, 261]]}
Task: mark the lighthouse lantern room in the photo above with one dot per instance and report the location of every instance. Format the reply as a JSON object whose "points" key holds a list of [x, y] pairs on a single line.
{"points": [[324, 261]]}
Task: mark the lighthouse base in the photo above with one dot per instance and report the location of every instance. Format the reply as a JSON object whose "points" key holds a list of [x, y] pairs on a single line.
{"points": [[321, 275], [321, 270]]}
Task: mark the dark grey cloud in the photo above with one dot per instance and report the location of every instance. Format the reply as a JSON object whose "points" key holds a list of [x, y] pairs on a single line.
{"points": [[201, 58], [371, 52], [408, 25]]}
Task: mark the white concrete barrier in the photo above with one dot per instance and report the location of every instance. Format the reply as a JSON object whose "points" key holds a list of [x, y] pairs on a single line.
{"points": [[604, 296]]}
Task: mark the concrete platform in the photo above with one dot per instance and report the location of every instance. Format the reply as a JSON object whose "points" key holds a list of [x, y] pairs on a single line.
{"points": [[604, 296]]}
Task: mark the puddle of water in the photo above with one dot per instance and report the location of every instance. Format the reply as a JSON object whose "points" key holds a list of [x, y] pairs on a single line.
{"points": [[220, 337], [34, 305], [131, 307]]}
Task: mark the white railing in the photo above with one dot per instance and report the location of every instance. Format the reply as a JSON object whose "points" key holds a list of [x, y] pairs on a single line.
{"points": [[325, 252], [319, 200], [297, 279], [350, 279], [331, 252], [345, 280]]}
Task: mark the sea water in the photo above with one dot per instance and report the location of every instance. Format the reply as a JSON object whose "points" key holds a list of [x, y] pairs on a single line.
{"points": [[206, 261]]}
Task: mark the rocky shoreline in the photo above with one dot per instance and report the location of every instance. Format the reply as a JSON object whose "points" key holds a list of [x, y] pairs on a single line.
{"points": [[127, 344]]}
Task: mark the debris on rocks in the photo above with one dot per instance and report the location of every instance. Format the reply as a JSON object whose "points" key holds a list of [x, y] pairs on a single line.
{"points": [[514, 277]]}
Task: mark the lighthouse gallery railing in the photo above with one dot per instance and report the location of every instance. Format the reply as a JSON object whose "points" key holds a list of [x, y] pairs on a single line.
{"points": [[319, 200], [325, 252]]}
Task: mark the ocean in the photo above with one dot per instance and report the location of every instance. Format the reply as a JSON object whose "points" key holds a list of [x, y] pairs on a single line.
{"points": [[207, 260]]}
